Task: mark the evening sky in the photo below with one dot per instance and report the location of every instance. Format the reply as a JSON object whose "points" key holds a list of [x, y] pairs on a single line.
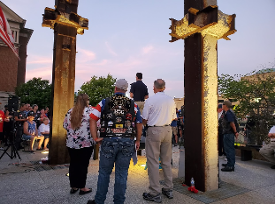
{"points": [[127, 36]]}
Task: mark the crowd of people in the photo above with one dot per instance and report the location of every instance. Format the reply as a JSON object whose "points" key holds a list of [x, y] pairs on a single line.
{"points": [[121, 123], [27, 123], [117, 123]]}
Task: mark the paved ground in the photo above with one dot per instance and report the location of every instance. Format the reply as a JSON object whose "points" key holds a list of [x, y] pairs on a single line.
{"points": [[26, 182]]}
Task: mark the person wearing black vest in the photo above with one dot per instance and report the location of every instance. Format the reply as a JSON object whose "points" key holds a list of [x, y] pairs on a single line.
{"points": [[229, 133], [121, 122]]}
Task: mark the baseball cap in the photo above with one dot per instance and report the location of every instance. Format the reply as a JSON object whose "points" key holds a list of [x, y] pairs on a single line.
{"points": [[227, 103], [220, 105], [31, 113], [122, 84]]}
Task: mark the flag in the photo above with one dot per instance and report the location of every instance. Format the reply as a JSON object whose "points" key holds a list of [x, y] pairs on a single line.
{"points": [[5, 33]]}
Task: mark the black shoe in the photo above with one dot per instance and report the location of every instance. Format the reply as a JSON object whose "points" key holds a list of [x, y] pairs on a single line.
{"points": [[224, 165], [227, 168], [84, 192], [91, 202], [168, 193], [148, 196], [72, 191], [272, 167]]}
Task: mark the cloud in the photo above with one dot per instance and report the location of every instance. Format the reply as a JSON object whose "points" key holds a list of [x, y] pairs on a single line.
{"points": [[147, 49], [35, 59], [110, 50], [156, 64], [43, 72], [84, 55]]}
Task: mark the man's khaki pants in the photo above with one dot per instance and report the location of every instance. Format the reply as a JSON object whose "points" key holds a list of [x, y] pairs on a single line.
{"points": [[158, 144], [140, 105], [267, 152]]}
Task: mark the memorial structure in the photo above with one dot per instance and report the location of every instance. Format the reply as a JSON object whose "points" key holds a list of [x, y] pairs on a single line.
{"points": [[66, 24], [202, 26]]}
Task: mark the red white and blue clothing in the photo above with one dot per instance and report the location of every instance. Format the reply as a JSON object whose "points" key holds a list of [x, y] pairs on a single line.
{"points": [[80, 137], [96, 112], [114, 151]]}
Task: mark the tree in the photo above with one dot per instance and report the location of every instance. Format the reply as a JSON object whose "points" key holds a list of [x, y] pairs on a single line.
{"points": [[98, 88], [35, 91], [255, 93]]}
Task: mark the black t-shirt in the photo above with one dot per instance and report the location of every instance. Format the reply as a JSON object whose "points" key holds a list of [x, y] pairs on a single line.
{"points": [[250, 123], [36, 116], [140, 90], [20, 115]]}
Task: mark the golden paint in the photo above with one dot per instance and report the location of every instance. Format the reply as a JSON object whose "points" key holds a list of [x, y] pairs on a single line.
{"points": [[209, 109], [221, 29], [210, 36], [64, 18], [182, 30]]}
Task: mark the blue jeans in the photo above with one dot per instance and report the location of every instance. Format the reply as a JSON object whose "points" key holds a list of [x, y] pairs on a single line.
{"points": [[228, 141], [118, 151]]}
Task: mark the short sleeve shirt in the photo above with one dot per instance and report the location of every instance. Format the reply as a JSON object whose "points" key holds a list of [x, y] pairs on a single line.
{"points": [[2, 117], [229, 116], [43, 128], [140, 90], [272, 130], [174, 122], [159, 110], [20, 115], [80, 137]]}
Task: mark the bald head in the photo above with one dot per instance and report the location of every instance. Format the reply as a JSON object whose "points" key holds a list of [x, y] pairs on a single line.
{"points": [[159, 85]]}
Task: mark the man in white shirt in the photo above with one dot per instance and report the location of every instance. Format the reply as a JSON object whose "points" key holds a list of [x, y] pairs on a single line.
{"points": [[159, 111], [267, 151]]}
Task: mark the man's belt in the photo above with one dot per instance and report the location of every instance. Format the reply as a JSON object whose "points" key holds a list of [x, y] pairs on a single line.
{"points": [[159, 126], [114, 137]]}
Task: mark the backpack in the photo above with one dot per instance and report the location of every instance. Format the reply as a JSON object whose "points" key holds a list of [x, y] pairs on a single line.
{"points": [[236, 122]]}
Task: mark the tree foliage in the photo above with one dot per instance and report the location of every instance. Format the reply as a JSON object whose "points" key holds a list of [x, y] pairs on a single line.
{"points": [[35, 91], [255, 93], [98, 88]]}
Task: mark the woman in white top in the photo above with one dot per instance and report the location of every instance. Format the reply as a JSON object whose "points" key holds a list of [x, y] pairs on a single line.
{"points": [[79, 142], [44, 129]]}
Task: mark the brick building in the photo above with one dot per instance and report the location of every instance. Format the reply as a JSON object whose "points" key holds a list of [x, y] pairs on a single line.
{"points": [[13, 71]]}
